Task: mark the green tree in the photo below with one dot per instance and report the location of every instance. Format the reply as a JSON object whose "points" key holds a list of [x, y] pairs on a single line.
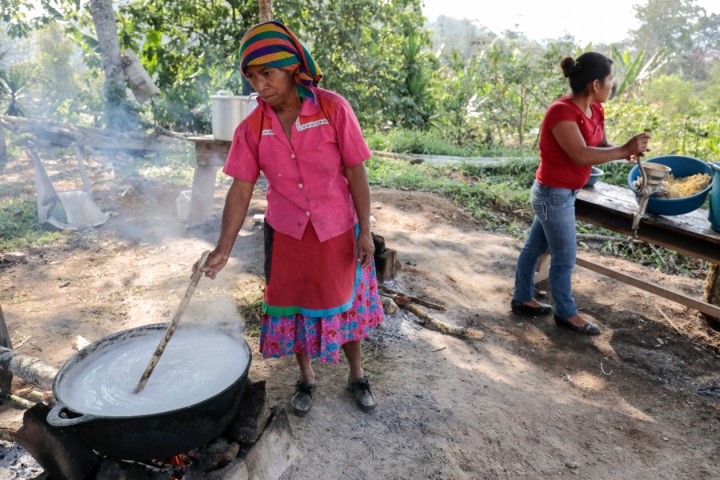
{"points": [[20, 17], [13, 85], [668, 25], [55, 70], [358, 44], [190, 49], [672, 95]]}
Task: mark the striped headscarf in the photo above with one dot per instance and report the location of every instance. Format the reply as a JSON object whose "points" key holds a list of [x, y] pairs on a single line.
{"points": [[273, 44]]}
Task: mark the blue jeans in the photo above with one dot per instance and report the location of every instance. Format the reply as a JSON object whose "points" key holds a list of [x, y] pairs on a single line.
{"points": [[552, 229]]}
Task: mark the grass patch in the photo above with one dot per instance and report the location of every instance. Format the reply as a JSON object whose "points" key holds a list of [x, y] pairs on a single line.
{"points": [[480, 190], [19, 225], [433, 142]]}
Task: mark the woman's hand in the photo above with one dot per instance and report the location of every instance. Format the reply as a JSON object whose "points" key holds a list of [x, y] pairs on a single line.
{"points": [[214, 263], [637, 146], [366, 249]]}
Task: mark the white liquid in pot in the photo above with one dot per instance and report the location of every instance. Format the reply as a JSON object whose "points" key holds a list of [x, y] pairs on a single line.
{"points": [[195, 366]]}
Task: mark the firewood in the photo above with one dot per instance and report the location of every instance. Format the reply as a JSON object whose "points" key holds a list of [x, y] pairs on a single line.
{"points": [[28, 368], [21, 402], [7, 434], [404, 297], [427, 320]]}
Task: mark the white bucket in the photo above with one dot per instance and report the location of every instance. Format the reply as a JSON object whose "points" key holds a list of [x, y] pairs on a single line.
{"points": [[182, 205], [228, 111]]}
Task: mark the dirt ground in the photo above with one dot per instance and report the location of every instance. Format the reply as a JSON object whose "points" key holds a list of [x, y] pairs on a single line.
{"points": [[528, 401]]}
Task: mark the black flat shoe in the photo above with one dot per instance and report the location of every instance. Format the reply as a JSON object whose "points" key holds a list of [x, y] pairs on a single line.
{"points": [[362, 394], [521, 309], [587, 329], [302, 400]]}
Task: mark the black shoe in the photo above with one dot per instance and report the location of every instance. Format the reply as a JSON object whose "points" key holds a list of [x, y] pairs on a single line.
{"points": [[301, 401], [587, 329], [360, 390], [522, 309]]}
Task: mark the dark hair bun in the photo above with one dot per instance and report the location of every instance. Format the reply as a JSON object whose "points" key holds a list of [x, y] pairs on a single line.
{"points": [[569, 66]]}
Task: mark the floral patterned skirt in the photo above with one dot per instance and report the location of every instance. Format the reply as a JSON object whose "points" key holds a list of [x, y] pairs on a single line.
{"points": [[322, 336]]}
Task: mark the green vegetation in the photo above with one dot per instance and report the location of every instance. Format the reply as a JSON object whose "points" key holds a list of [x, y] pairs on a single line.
{"points": [[496, 193], [19, 227], [450, 88], [476, 92]]}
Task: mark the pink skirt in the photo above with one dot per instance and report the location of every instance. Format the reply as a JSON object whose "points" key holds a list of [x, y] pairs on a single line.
{"points": [[322, 337]]}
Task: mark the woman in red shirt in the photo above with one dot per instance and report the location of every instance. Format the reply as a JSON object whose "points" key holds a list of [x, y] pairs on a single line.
{"points": [[572, 139], [321, 294]]}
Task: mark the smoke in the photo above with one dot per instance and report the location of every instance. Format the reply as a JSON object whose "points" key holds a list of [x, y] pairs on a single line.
{"points": [[218, 312]]}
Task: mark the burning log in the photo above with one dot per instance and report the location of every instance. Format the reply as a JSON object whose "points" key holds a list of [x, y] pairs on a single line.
{"points": [[30, 369]]}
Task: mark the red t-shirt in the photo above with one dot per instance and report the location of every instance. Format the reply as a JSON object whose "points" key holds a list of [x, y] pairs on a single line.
{"points": [[556, 168]]}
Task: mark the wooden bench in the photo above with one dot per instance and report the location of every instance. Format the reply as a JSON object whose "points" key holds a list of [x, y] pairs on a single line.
{"points": [[613, 207]]}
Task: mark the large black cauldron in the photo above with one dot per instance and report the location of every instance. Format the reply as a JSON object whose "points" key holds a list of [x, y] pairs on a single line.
{"points": [[153, 436]]}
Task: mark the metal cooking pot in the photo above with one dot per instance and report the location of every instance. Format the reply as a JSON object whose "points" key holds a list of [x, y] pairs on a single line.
{"points": [[227, 113], [145, 437]]}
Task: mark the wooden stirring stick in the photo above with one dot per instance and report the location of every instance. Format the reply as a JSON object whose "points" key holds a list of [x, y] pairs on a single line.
{"points": [[194, 279]]}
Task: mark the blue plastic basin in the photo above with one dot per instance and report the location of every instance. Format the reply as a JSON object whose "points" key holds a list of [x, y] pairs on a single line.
{"points": [[681, 167], [595, 175]]}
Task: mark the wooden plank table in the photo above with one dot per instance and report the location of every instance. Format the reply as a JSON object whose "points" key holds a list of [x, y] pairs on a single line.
{"points": [[210, 154], [613, 207]]}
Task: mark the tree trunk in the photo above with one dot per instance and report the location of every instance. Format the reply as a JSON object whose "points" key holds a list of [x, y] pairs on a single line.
{"points": [[265, 11], [117, 115]]}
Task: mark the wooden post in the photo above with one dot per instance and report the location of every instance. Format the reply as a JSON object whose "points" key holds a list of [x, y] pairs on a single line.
{"points": [[265, 11], [712, 285], [5, 375], [712, 292]]}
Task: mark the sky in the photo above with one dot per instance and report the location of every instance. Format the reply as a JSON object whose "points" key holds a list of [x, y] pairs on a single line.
{"points": [[543, 19]]}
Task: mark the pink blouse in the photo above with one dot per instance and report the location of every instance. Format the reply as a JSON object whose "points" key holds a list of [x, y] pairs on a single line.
{"points": [[306, 175]]}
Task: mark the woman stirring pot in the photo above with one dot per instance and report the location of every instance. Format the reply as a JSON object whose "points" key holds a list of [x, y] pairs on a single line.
{"points": [[321, 291]]}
